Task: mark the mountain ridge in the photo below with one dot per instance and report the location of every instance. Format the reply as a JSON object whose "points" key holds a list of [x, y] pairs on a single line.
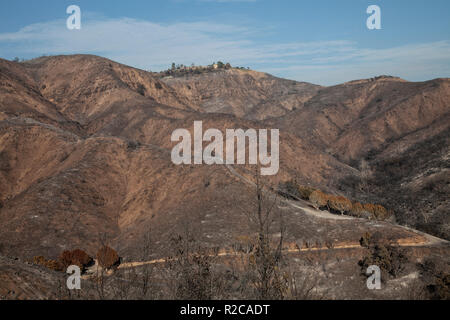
{"points": [[87, 145]]}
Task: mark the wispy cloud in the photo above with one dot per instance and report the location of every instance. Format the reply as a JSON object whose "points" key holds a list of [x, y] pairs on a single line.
{"points": [[225, 1], [413, 62], [151, 45]]}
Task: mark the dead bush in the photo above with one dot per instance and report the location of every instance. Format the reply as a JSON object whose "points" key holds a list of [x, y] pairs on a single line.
{"points": [[440, 289], [75, 257], [289, 190], [380, 252], [49, 264], [192, 269], [292, 190], [357, 210], [54, 265], [436, 277], [377, 211], [339, 204], [369, 208], [365, 240], [305, 192], [107, 257], [380, 212], [318, 199]]}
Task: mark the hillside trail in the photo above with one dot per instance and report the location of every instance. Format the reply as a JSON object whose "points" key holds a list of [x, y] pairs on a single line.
{"points": [[353, 245], [300, 204], [302, 207]]}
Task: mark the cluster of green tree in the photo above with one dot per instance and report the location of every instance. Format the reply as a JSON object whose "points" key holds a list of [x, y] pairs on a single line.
{"points": [[179, 70]]}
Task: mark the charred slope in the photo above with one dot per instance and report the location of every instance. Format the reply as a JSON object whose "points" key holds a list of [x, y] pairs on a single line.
{"points": [[395, 132], [85, 150], [243, 93]]}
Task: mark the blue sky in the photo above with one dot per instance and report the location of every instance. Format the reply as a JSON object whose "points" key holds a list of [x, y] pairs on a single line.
{"points": [[321, 41]]}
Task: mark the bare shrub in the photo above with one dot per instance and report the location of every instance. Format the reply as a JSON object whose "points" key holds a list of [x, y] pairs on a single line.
{"points": [[289, 190], [366, 174], [382, 253], [100, 280], [191, 271], [292, 190], [264, 265], [145, 285], [440, 289], [50, 264], [133, 283], [417, 291], [436, 276], [301, 286]]}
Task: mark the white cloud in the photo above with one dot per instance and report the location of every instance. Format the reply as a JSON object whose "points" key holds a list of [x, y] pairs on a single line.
{"points": [[150, 45], [226, 1]]}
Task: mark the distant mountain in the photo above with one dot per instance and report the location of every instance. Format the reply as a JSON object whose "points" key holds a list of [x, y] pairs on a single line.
{"points": [[398, 131]]}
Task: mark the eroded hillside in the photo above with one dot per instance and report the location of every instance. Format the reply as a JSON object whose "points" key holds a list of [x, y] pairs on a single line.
{"points": [[85, 156]]}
